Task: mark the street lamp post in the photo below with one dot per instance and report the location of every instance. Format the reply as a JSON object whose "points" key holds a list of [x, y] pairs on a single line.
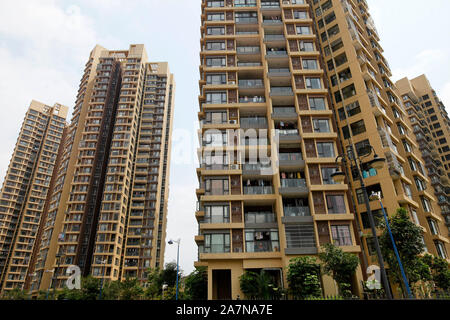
{"points": [[55, 273], [178, 259], [103, 277], [52, 284], [376, 163], [405, 279]]}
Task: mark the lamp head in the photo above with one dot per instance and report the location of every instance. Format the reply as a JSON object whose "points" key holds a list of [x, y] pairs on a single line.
{"points": [[377, 163], [338, 177]]}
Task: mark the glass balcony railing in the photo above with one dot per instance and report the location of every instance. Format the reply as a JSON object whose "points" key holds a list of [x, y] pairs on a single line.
{"points": [[270, 4], [258, 190], [246, 20], [290, 156], [277, 53], [255, 166], [274, 37], [293, 183], [257, 83], [248, 50], [260, 217], [279, 70], [254, 99], [288, 132], [297, 212], [262, 246], [257, 123], [281, 91]]}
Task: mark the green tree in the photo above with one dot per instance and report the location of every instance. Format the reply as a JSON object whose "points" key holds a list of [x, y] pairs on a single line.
{"points": [[408, 239], [90, 288], [340, 265], [257, 285], [303, 278], [130, 290], [169, 274], [196, 284], [15, 294], [111, 290], [440, 271], [157, 278]]}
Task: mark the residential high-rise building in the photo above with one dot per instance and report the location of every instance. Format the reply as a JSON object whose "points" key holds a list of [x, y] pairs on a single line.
{"points": [[269, 146], [431, 125], [370, 111], [108, 212], [312, 73], [27, 189]]}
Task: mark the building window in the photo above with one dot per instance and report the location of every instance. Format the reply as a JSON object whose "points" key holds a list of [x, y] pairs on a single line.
{"points": [[321, 125], [217, 214], [326, 175], [325, 149], [217, 243], [261, 240], [313, 83], [341, 236], [317, 103], [336, 204], [440, 249], [358, 127]]}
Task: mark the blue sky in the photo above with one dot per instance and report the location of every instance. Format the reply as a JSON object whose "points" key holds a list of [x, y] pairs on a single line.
{"points": [[44, 45]]}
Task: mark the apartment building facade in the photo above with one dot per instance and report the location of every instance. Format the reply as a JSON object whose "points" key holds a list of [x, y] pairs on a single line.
{"points": [[313, 74], [269, 144], [371, 112], [431, 125], [108, 211], [26, 190]]}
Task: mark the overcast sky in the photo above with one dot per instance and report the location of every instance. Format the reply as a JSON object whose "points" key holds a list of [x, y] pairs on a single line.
{"points": [[44, 45]]}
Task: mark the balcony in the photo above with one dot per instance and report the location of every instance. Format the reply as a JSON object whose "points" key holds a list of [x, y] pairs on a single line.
{"points": [[251, 87], [291, 161], [253, 123], [284, 113], [293, 187], [273, 54], [252, 99], [252, 218], [281, 91], [258, 190], [248, 50], [275, 39], [256, 169], [270, 21], [246, 20], [297, 212]]}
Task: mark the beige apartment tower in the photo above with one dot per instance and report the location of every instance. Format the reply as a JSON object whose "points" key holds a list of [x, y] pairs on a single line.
{"points": [[27, 189], [310, 77], [431, 125], [261, 72], [108, 210]]}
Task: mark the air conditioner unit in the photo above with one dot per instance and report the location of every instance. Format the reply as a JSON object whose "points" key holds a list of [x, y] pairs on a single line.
{"points": [[233, 122], [234, 167]]}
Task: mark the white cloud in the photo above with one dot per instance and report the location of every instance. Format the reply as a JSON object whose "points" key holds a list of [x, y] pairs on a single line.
{"points": [[40, 43], [181, 224], [422, 63]]}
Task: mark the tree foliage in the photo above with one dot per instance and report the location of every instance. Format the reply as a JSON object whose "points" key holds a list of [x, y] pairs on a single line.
{"points": [[258, 286], [340, 265], [408, 240], [303, 278], [196, 284]]}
